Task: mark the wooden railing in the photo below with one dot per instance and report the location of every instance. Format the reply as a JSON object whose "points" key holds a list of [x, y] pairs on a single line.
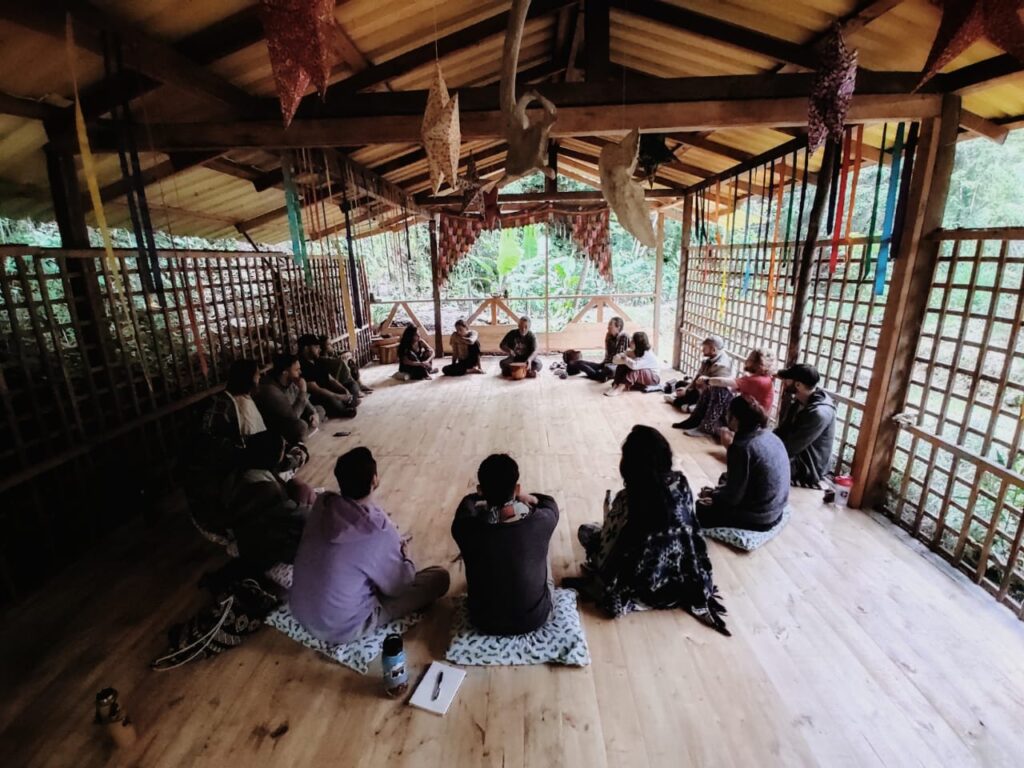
{"points": [[493, 316], [99, 371]]}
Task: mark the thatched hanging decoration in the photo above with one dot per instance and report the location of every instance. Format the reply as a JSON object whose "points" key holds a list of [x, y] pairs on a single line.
{"points": [[832, 91], [624, 195]]}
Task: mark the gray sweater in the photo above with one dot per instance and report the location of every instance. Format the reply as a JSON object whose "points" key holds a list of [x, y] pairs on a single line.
{"points": [[756, 489], [808, 432], [279, 405]]}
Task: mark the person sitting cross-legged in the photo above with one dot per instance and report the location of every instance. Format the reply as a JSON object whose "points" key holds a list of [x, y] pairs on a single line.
{"points": [[616, 342], [503, 535], [715, 363], [323, 388], [808, 426], [352, 572], [754, 490], [716, 392], [283, 400], [343, 367], [465, 345], [635, 369], [521, 347], [649, 552], [415, 356]]}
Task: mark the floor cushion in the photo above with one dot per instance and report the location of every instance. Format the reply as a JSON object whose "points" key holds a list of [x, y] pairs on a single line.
{"points": [[357, 654], [560, 641], [748, 541]]}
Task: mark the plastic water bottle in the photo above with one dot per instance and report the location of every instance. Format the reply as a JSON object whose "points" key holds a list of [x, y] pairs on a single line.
{"points": [[396, 677]]}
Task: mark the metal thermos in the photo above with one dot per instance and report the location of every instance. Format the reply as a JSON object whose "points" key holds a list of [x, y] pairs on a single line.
{"points": [[396, 677], [111, 715]]}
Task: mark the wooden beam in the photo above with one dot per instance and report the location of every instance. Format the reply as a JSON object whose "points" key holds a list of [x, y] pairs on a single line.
{"points": [[980, 75], [986, 128], [719, 30], [435, 286], [424, 54], [142, 52], [29, 108], [572, 121], [567, 58], [659, 267], [175, 164], [909, 290], [597, 34], [556, 197]]}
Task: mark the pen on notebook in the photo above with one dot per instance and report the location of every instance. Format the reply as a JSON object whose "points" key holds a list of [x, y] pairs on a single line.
{"points": [[437, 686]]}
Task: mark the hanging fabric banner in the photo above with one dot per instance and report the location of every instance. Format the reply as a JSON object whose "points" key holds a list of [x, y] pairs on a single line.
{"points": [[294, 208], [874, 201], [780, 188], [890, 212], [859, 156], [89, 165]]}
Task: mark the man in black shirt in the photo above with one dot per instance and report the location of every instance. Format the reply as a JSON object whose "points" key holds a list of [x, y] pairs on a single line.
{"points": [[521, 347], [503, 535], [324, 390]]}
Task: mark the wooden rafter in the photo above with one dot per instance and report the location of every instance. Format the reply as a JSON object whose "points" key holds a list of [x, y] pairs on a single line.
{"points": [[30, 108], [719, 30], [572, 121], [597, 34]]}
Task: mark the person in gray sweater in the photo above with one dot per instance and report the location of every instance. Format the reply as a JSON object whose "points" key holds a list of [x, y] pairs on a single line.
{"points": [[808, 427], [755, 488], [284, 403]]}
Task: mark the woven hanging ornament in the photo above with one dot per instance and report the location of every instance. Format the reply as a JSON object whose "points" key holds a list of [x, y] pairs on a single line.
{"points": [[471, 187], [304, 43], [441, 133], [833, 87], [652, 155], [965, 21]]}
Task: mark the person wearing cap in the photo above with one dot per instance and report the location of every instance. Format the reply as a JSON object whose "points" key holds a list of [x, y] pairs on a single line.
{"points": [[809, 426], [715, 365]]}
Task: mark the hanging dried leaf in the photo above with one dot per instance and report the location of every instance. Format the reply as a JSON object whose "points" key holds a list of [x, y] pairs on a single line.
{"points": [[624, 195]]}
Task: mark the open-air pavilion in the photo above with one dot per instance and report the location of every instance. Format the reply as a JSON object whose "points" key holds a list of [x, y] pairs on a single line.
{"points": [[886, 632]]}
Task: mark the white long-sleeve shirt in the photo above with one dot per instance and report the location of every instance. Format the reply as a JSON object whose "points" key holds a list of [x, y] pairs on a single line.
{"points": [[647, 361]]}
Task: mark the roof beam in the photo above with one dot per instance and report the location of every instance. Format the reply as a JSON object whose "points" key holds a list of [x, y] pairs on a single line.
{"points": [[30, 108], [572, 121], [980, 75], [982, 127], [424, 54], [178, 162], [597, 33], [721, 31], [142, 53]]}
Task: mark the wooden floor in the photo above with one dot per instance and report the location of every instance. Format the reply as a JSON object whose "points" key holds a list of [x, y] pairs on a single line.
{"points": [[849, 647]]}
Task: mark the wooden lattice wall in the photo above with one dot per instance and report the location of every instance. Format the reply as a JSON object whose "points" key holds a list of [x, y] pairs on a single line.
{"points": [[94, 412]]}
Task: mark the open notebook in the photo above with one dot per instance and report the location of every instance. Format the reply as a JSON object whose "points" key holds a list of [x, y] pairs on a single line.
{"points": [[442, 680]]}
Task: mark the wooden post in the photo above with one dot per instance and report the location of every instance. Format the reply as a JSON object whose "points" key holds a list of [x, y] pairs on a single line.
{"points": [[547, 290], [551, 185], [435, 281], [684, 264], [810, 245], [659, 261], [906, 304]]}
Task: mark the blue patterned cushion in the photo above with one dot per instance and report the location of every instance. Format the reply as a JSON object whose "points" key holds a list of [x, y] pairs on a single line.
{"points": [[559, 641], [748, 540], [356, 655]]}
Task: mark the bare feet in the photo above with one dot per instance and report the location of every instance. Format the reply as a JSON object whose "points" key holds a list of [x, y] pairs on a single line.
{"points": [[478, 369], [615, 391]]}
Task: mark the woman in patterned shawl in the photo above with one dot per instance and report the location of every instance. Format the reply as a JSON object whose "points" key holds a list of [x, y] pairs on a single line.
{"points": [[650, 552]]}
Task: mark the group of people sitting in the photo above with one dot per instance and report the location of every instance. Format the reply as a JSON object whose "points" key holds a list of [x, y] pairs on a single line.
{"points": [[806, 429], [238, 472], [353, 571]]}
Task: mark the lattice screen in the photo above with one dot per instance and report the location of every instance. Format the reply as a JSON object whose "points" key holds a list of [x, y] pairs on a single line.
{"points": [[957, 478]]}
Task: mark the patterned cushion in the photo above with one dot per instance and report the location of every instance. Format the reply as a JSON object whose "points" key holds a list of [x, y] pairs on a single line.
{"points": [[748, 540], [281, 574], [355, 655], [560, 640]]}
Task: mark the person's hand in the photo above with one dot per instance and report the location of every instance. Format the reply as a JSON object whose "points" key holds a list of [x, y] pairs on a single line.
{"points": [[705, 500], [529, 499], [706, 491], [302, 385], [314, 420], [701, 383]]}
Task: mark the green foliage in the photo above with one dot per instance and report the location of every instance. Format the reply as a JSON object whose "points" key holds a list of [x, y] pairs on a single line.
{"points": [[509, 254]]}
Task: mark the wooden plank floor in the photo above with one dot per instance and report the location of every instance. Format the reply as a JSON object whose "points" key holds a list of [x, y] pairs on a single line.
{"points": [[849, 647]]}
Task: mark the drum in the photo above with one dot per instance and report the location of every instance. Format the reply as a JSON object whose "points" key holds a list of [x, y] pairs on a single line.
{"points": [[517, 371]]}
